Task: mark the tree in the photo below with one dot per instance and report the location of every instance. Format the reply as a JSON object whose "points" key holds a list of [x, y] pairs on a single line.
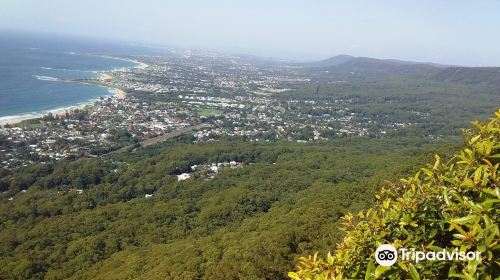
{"points": [[444, 206]]}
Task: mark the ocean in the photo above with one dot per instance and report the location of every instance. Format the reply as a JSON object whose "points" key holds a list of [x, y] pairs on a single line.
{"points": [[31, 66]]}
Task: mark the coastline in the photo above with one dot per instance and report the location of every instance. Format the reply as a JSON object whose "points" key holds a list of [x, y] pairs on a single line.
{"points": [[103, 76], [12, 120], [140, 65]]}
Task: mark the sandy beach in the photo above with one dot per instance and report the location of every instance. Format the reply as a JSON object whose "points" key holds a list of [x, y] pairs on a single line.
{"points": [[141, 65], [15, 120], [104, 76], [118, 93], [18, 119]]}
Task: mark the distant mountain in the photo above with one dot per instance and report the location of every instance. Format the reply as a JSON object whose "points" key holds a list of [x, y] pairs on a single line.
{"points": [[346, 67], [470, 75], [332, 61], [344, 59]]}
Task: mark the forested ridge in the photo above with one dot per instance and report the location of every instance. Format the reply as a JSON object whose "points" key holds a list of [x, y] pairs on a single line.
{"points": [[448, 205], [90, 219]]}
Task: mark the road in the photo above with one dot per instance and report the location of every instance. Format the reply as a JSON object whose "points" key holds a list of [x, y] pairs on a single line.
{"points": [[162, 138]]}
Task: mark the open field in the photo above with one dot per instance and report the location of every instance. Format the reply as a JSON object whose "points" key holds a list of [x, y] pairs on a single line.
{"points": [[207, 112]]}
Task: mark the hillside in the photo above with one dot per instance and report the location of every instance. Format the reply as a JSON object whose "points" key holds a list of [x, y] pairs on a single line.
{"points": [[470, 75], [447, 206], [345, 67], [329, 62], [90, 218]]}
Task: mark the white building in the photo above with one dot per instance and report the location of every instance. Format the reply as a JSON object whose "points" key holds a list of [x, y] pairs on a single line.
{"points": [[183, 176]]}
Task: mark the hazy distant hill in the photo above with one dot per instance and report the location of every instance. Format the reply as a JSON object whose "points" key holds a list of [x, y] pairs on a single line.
{"points": [[345, 67], [332, 61], [470, 75]]}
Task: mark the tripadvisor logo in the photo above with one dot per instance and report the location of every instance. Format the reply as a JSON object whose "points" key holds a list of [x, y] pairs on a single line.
{"points": [[387, 255]]}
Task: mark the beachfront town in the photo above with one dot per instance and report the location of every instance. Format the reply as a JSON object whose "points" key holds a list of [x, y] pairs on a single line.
{"points": [[206, 96]]}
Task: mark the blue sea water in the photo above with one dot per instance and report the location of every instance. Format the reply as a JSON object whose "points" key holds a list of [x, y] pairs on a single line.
{"points": [[31, 64]]}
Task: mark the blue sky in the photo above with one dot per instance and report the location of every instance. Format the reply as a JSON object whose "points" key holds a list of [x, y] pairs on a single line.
{"points": [[450, 32]]}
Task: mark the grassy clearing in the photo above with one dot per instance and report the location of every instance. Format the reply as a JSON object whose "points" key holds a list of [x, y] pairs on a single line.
{"points": [[31, 124], [207, 112]]}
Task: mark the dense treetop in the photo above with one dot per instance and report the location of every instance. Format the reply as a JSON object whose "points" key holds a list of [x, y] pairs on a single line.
{"points": [[444, 206], [89, 218]]}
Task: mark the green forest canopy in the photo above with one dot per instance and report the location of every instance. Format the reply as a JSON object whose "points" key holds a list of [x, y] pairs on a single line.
{"points": [[89, 218], [444, 206]]}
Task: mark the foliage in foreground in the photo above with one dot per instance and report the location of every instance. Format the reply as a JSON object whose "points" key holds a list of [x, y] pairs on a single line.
{"points": [[444, 206]]}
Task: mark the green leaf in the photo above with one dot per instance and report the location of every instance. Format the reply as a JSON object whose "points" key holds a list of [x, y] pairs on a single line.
{"points": [[477, 174], [380, 270], [427, 172], [437, 163], [487, 220], [329, 259], [387, 203], [458, 236], [489, 146], [469, 152], [435, 248], [465, 220], [293, 275], [467, 182], [369, 271], [474, 139], [490, 202], [446, 198], [463, 276], [490, 237], [413, 272]]}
